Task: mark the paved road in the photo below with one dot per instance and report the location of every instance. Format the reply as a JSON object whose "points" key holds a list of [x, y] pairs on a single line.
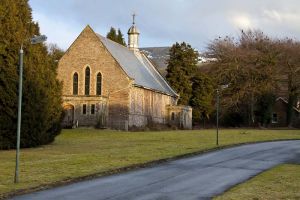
{"points": [[198, 177]]}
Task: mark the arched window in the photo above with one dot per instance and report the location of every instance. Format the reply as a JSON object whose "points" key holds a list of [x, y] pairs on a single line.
{"points": [[75, 84], [87, 81], [99, 84]]}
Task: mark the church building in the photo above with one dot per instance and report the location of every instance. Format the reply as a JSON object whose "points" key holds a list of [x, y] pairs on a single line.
{"points": [[112, 86]]}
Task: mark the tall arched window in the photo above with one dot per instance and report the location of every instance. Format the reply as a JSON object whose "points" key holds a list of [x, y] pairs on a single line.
{"points": [[99, 84], [87, 81], [75, 84]]}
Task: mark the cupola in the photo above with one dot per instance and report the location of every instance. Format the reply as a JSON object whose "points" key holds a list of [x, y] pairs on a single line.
{"points": [[133, 35]]}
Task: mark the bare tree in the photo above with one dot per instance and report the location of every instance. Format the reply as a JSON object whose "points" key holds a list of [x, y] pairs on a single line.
{"points": [[248, 64]]}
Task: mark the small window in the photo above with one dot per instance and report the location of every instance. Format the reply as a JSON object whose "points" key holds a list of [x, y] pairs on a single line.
{"points": [[99, 84], [93, 109], [274, 118], [173, 116], [75, 84], [84, 109], [87, 81]]}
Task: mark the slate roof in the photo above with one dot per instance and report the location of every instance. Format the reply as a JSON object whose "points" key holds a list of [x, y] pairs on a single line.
{"points": [[138, 67]]}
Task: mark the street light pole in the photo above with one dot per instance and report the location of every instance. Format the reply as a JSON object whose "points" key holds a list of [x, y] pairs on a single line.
{"points": [[221, 87], [34, 40], [19, 114], [218, 104]]}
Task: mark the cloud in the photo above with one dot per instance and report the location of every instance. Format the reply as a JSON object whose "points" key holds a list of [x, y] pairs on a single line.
{"points": [[57, 31], [242, 22], [162, 23], [273, 15]]}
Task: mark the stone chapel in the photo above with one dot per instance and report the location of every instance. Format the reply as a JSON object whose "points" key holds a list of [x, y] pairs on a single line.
{"points": [[112, 86]]}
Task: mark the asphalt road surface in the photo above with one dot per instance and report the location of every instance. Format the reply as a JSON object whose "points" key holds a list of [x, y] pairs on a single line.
{"points": [[198, 177]]}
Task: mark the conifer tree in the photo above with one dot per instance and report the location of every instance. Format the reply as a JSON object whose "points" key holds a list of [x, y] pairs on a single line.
{"points": [[202, 97], [121, 38], [180, 70], [112, 34], [41, 107], [116, 36]]}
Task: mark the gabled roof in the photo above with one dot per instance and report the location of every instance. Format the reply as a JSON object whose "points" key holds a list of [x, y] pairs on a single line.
{"points": [[137, 66], [286, 101]]}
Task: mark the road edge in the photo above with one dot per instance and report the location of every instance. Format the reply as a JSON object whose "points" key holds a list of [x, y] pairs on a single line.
{"points": [[126, 169]]}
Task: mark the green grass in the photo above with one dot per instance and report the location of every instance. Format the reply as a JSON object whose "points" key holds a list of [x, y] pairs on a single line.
{"points": [[282, 182], [81, 152]]}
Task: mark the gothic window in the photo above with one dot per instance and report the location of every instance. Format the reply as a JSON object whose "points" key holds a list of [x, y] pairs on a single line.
{"points": [[75, 84], [87, 81], [99, 84]]}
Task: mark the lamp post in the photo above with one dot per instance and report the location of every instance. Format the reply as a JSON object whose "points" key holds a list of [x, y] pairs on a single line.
{"points": [[34, 40], [218, 99], [218, 108]]}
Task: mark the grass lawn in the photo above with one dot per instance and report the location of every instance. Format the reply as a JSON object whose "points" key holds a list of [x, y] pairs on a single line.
{"points": [[81, 152], [282, 182]]}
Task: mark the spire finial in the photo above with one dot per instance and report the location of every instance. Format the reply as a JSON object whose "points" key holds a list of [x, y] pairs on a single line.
{"points": [[133, 18]]}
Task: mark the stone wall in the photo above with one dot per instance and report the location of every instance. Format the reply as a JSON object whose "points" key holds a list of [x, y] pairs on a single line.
{"points": [[88, 51], [89, 119], [147, 106], [180, 116]]}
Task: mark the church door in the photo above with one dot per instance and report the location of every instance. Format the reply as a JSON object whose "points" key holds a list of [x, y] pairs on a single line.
{"points": [[68, 120]]}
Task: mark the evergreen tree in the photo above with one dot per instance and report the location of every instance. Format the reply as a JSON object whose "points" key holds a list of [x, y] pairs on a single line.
{"points": [[180, 70], [117, 37], [112, 34], [120, 38], [202, 97], [41, 106]]}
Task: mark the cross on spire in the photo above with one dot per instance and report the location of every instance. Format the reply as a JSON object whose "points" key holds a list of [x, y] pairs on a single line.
{"points": [[133, 18]]}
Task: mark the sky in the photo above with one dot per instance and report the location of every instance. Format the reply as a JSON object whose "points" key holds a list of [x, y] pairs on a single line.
{"points": [[164, 22]]}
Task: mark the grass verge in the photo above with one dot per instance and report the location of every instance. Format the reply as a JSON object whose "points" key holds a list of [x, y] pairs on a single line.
{"points": [[83, 152], [281, 182]]}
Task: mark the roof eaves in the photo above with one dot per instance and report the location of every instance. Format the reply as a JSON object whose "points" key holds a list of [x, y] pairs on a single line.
{"points": [[154, 90]]}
